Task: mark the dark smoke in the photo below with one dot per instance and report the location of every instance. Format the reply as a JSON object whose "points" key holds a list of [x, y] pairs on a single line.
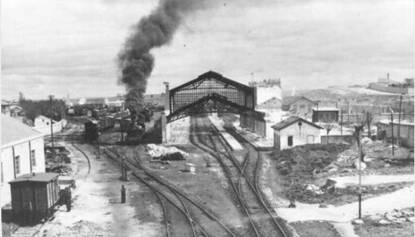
{"points": [[135, 59]]}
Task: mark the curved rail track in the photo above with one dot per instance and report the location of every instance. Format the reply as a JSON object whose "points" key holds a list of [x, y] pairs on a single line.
{"points": [[169, 192], [249, 195], [84, 154]]}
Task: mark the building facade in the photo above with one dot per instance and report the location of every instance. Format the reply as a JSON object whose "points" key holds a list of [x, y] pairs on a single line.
{"points": [[325, 115], [295, 131], [22, 152], [299, 106], [404, 131]]}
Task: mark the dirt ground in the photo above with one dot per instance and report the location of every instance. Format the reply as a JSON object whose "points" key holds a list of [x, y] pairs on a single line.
{"points": [[371, 229], [315, 229], [96, 208], [216, 190]]}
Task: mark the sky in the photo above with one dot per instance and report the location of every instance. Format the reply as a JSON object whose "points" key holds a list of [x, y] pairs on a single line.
{"points": [[70, 48]]}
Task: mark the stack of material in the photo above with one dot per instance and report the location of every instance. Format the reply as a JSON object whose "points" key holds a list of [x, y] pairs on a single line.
{"points": [[165, 153]]}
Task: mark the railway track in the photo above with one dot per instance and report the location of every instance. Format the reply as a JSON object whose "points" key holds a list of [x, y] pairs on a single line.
{"points": [[84, 154], [248, 193], [202, 143], [196, 214]]}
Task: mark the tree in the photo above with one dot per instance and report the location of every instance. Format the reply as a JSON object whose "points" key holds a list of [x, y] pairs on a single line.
{"points": [[328, 127], [368, 121]]}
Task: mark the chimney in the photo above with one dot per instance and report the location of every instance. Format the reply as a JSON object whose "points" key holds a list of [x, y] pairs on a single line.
{"points": [[387, 76], [167, 95]]}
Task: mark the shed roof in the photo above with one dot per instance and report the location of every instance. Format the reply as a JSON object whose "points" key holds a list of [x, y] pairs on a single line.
{"points": [[287, 122], [326, 109], [14, 131], [36, 177]]}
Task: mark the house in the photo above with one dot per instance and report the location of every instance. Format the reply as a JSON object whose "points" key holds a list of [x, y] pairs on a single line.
{"points": [[325, 115], [406, 133], [298, 106], [295, 131], [22, 152]]}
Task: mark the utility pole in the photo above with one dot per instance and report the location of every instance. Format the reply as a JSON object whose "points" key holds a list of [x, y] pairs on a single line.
{"points": [[51, 121], [341, 123], [393, 137], [358, 130], [399, 121]]}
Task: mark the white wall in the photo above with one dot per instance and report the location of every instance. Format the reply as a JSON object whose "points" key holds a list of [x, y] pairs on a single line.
{"points": [[43, 125], [266, 93], [299, 137], [21, 150]]}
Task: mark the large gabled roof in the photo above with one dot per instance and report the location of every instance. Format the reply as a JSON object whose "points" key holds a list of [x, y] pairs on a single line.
{"points": [[291, 120], [14, 131], [213, 75]]}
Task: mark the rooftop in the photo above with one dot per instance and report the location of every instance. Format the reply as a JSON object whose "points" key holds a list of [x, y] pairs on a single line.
{"points": [[326, 109], [35, 177], [13, 131], [293, 119]]}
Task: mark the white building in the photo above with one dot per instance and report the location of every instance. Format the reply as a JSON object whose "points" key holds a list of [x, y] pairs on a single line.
{"points": [[295, 131], [267, 89], [22, 152], [42, 124]]}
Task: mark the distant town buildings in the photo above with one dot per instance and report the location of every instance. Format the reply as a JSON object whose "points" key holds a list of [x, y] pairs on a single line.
{"points": [[295, 131], [22, 152], [390, 86]]}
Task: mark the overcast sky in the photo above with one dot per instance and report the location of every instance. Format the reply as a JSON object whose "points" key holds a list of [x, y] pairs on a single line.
{"points": [[65, 47]]}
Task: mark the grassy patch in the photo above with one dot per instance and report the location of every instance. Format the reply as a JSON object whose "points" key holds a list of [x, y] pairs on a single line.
{"points": [[372, 229], [315, 229]]}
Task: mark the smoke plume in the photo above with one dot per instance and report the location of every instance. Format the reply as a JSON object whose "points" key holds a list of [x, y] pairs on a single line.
{"points": [[157, 29]]}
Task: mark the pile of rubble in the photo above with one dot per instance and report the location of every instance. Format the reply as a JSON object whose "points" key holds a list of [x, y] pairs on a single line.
{"points": [[158, 152], [393, 217]]}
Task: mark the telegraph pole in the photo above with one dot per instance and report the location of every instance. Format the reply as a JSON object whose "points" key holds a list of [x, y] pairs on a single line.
{"points": [[399, 121], [51, 121], [358, 130], [393, 137]]}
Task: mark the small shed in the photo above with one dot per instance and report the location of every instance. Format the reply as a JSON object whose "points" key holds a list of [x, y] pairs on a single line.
{"points": [[34, 196]]}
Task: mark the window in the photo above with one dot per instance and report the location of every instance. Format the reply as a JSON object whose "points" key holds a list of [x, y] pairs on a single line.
{"points": [[17, 164], [290, 141], [33, 158]]}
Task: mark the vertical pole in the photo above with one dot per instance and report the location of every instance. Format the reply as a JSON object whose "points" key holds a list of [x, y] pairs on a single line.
{"points": [[393, 136], [399, 122], [51, 122], [359, 145]]}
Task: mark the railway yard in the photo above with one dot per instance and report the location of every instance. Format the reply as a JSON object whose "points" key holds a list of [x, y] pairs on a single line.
{"points": [[223, 186]]}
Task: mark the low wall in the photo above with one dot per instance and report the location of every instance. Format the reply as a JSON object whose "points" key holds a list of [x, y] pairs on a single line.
{"points": [[337, 139], [57, 127]]}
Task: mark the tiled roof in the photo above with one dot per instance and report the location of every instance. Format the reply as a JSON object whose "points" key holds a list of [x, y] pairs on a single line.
{"points": [[13, 131], [287, 122]]}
